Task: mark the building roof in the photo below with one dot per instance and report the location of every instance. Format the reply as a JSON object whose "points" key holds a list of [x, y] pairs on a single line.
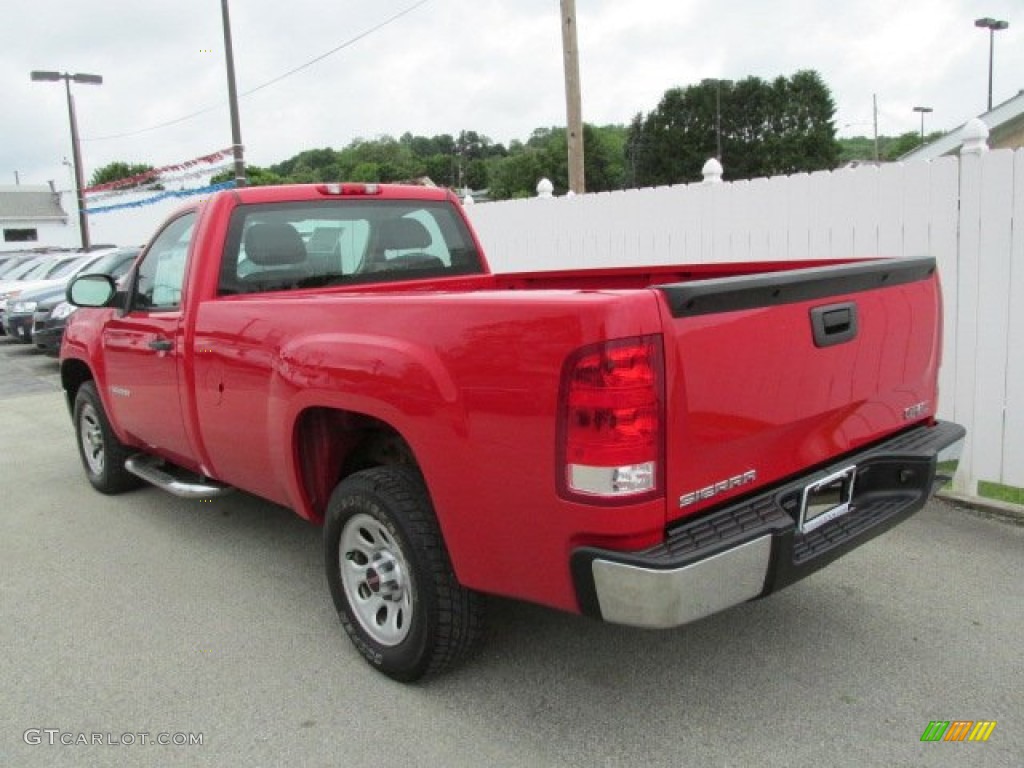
{"points": [[27, 202], [1003, 120]]}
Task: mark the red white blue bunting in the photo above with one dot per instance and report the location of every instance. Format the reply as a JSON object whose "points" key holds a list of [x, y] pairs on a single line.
{"points": [[162, 196], [152, 174]]}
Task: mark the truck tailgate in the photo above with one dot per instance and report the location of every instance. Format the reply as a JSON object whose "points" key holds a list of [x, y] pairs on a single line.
{"points": [[771, 374]]}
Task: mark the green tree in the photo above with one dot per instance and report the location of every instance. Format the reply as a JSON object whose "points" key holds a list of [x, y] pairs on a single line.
{"points": [[516, 175], [604, 157], [545, 155], [254, 177], [861, 149], [785, 126], [857, 149], [897, 147], [118, 170]]}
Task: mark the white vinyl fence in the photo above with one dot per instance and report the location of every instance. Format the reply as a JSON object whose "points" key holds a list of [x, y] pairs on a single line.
{"points": [[960, 210]]}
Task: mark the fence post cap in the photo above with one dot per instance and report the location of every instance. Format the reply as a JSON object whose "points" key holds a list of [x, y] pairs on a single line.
{"points": [[545, 188], [973, 137], [712, 171]]}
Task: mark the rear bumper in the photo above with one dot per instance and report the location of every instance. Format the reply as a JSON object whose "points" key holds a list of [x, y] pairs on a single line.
{"points": [[751, 548]]}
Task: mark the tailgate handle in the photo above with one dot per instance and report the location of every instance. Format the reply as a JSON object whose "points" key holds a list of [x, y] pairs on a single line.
{"points": [[834, 324]]}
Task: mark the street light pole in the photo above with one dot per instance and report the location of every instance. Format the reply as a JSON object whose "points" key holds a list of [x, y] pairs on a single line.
{"points": [[993, 26], [76, 158], [76, 151], [923, 111]]}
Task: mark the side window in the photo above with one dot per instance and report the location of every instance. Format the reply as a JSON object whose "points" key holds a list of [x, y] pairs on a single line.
{"points": [[162, 271]]}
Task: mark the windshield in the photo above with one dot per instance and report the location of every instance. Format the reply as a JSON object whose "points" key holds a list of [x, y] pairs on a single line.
{"points": [[65, 268], [10, 266], [28, 270], [58, 267]]}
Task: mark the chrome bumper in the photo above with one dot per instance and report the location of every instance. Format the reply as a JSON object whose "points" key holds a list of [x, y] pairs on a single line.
{"points": [[645, 597], [752, 547]]}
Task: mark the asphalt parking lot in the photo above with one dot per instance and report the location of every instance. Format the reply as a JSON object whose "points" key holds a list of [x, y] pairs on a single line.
{"points": [[24, 371], [147, 614]]}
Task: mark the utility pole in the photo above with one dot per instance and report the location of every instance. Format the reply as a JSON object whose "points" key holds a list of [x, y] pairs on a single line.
{"points": [[573, 100], [236, 128], [874, 100], [718, 117]]}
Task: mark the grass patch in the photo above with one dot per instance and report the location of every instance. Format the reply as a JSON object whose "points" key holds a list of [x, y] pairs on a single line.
{"points": [[1001, 492]]}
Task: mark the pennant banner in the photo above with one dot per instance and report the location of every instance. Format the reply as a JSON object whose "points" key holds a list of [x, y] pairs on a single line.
{"points": [[141, 177], [162, 181], [162, 196]]}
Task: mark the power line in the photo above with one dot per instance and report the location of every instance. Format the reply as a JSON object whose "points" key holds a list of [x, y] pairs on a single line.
{"points": [[346, 44], [279, 78]]}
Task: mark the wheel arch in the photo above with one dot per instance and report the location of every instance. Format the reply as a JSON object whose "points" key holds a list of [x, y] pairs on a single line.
{"points": [[330, 443], [73, 374]]}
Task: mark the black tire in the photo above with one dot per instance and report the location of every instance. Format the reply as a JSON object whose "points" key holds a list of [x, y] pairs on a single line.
{"points": [[391, 578], [102, 454]]}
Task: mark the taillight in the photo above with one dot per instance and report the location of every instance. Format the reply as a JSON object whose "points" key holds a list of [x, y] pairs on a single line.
{"points": [[611, 421]]}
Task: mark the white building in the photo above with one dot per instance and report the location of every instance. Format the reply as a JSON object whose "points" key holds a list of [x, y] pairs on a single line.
{"points": [[31, 216]]}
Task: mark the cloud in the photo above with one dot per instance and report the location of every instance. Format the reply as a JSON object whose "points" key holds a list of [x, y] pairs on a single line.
{"points": [[492, 66]]}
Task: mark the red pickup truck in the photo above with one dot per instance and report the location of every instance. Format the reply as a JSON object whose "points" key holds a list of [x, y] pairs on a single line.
{"points": [[642, 445]]}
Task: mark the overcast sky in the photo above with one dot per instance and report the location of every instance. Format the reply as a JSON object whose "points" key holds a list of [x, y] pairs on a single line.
{"points": [[494, 66]]}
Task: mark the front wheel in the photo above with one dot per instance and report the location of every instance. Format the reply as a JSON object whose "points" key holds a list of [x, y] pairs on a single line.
{"points": [[390, 576], [103, 455]]}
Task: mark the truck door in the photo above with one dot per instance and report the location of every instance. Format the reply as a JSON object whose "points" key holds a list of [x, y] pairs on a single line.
{"points": [[143, 347]]}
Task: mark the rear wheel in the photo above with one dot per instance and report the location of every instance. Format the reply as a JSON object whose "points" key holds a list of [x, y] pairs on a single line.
{"points": [[103, 455], [391, 578]]}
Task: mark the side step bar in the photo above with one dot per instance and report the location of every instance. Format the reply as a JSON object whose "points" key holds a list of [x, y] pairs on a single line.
{"points": [[159, 473]]}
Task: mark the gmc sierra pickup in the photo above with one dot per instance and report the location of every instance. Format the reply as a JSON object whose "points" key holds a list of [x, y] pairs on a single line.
{"points": [[641, 445]]}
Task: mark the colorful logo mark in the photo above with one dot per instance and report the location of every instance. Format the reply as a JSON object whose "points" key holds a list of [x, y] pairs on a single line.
{"points": [[958, 730]]}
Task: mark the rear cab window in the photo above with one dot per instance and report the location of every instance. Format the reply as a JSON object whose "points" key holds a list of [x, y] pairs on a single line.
{"points": [[288, 246]]}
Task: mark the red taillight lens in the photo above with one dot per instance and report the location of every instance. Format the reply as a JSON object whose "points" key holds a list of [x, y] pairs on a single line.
{"points": [[611, 421]]}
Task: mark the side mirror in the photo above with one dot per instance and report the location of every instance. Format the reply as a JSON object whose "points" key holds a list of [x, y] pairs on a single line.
{"points": [[92, 291]]}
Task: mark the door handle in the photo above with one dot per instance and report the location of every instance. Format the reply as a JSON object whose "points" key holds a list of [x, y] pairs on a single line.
{"points": [[161, 345], [834, 324]]}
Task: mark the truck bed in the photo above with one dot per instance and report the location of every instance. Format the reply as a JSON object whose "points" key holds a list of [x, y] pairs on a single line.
{"points": [[773, 367]]}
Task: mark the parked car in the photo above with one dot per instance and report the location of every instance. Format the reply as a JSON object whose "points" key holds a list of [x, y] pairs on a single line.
{"points": [[50, 310], [10, 260], [47, 267], [13, 278], [17, 268], [20, 302]]}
